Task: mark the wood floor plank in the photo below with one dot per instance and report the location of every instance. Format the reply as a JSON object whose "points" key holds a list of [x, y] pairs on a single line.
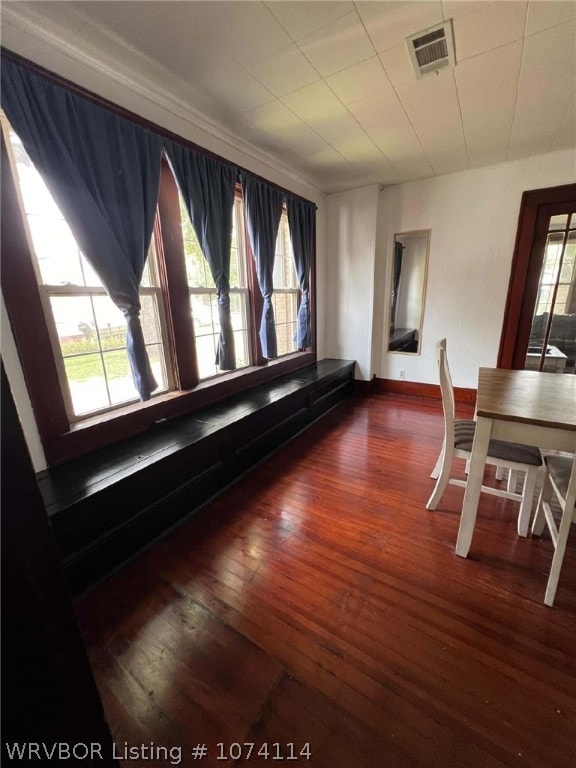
{"points": [[317, 601]]}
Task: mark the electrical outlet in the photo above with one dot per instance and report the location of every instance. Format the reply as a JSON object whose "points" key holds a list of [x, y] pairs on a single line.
{"points": [[401, 373]]}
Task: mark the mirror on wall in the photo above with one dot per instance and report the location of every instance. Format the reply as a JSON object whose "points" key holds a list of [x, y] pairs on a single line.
{"points": [[408, 290]]}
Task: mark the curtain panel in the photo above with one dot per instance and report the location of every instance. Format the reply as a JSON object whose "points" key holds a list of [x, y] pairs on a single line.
{"points": [[301, 217], [103, 172], [208, 187], [263, 207]]}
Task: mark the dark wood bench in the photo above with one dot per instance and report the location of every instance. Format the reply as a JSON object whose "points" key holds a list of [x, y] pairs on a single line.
{"points": [[108, 505]]}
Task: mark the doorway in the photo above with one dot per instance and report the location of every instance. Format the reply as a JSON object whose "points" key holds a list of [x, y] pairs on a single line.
{"points": [[539, 330]]}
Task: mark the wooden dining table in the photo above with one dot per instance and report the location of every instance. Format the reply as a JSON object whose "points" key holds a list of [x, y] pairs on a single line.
{"points": [[522, 407]]}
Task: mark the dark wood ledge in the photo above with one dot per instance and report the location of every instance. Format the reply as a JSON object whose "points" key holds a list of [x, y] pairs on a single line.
{"points": [[108, 505]]}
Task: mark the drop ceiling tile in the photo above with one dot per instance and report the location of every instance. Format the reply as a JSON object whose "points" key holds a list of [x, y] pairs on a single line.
{"points": [[359, 81], [389, 23], [358, 149], [454, 8], [545, 90], [229, 83], [432, 107], [247, 30], [487, 93], [385, 121], [277, 121], [413, 165], [300, 19], [315, 103], [286, 71], [548, 13], [398, 65], [493, 25], [272, 118], [325, 157], [566, 136], [338, 45]]}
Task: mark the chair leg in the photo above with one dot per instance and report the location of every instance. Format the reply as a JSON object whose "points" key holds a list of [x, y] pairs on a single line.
{"points": [[558, 558], [527, 500], [439, 461], [442, 480], [540, 518]]}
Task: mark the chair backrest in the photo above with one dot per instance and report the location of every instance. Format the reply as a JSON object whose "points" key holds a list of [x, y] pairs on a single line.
{"points": [[447, 391]]}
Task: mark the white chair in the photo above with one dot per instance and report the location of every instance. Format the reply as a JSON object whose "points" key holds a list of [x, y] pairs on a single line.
{"points": [[458, 439], [557, 481]]}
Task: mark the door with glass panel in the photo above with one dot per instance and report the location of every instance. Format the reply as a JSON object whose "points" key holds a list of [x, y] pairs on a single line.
{"points": [[552, 341], [539, 329]]}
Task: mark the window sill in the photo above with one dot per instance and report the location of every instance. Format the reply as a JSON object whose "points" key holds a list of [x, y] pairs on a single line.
{"points": [[107, 428]]}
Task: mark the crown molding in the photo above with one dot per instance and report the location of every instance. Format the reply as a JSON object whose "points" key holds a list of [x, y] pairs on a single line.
{"points": [[145, 89]]}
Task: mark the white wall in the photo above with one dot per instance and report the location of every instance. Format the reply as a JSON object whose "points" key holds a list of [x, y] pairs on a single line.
{"points": [[351, 229], [473, 217]]}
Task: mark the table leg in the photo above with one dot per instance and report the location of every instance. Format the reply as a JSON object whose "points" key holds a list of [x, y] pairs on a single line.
{"points": [[473, 485]]}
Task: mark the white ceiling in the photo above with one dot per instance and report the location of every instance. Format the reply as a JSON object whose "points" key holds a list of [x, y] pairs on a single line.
{"points": [[328, 88]]}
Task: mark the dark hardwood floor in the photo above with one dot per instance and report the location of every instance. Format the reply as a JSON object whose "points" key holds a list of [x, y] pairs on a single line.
{"points": [[317, 602]]}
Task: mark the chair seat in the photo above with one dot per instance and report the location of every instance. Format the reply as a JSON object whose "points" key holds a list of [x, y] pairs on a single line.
{"points": [[497, 449], [560, 469]]}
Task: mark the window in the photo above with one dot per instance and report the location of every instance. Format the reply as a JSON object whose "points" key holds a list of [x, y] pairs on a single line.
{"points": [[286, 292], [87, 330], [72, 339], [203, 295]]}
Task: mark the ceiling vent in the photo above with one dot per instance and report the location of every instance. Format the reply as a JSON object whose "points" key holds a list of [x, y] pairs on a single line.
{"points": [[432, 49]]}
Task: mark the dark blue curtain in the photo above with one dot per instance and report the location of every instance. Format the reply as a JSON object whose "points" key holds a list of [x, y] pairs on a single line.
{"points": [[301, 215], [208, 188], [103, 172], [263, 206], [398, 252]]}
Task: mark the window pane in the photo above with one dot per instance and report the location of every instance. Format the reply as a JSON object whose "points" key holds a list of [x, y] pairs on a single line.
{"points": [[197, 269], [553, 319], [158, 365], [150, 319], [206, 355], [560, 221], [75, 324], [568, 262], [119, 376], [284, 271], [87, 385], [56, 251], [90, 276], [242, 349], [110, 322], [204, 313], [285, 314], [238, 251], [238, 311]]}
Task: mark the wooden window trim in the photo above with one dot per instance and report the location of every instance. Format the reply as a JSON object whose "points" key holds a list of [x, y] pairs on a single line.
{"points": [[535, 207]]}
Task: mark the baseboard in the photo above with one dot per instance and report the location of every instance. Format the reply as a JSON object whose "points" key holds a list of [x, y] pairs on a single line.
{"points": [[411, 388]]}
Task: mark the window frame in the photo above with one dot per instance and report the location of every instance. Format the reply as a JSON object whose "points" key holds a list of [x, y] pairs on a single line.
{"points": [[63, 439]]}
